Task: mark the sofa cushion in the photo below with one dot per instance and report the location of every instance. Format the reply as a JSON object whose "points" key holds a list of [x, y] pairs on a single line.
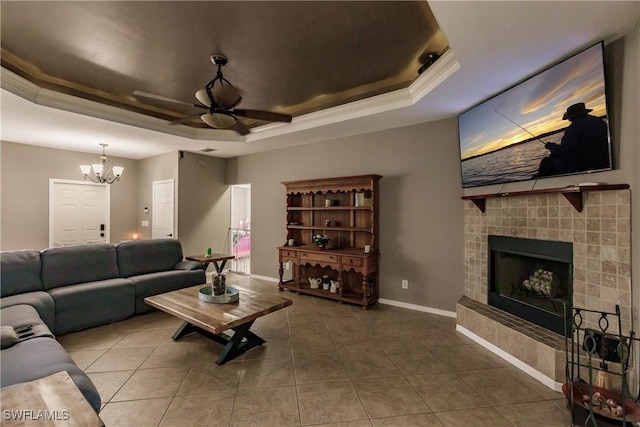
{"points": [[91, 304], [20, 272], [41, 302], [190, 265], [161, 282], [40, 357], [78, 264], [148, 256]]}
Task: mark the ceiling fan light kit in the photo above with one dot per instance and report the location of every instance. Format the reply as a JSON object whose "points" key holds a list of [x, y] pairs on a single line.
{"points": [[203, 97], [218, 120], [103, 172]]}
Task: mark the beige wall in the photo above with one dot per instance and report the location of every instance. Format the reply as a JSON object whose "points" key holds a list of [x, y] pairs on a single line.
{"points": [[421, 213], [203, 219], [201, 199], [25, 171], [204, 204]]}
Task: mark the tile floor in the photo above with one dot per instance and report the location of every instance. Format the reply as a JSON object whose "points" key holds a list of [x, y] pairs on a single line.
{"points": [[323, 364]]}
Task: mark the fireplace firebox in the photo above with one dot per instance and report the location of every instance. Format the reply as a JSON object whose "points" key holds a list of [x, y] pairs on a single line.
{"points": [[532, 279]]}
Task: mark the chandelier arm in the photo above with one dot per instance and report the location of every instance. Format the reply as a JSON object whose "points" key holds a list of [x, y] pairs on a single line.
{"points": [[90, 178]]}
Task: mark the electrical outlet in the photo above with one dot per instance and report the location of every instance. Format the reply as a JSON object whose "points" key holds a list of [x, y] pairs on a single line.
{"points": [[287, 265], [405, 284]]}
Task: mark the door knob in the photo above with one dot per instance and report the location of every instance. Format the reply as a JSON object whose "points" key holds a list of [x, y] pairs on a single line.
{"points": [[170, 235]]}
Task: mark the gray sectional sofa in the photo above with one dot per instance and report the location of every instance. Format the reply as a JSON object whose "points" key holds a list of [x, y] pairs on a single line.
{"points": [[67, 289]]}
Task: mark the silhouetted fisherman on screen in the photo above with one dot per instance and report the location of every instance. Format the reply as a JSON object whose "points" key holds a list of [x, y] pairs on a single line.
{"points": [[584, 146]]}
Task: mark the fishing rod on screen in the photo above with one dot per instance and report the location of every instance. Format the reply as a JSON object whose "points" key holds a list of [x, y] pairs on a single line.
{"points": [[536, 137]]}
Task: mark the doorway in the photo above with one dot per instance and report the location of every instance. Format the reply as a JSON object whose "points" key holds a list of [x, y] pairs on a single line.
{"points": [[162, 216], [78, 213], [241, 228]]}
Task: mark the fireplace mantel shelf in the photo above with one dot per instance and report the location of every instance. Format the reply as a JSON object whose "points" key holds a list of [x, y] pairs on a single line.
{"points": [[573, 193]]}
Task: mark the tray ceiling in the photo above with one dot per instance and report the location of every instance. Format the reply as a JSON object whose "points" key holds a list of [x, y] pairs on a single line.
{"points": [[289, 57]]}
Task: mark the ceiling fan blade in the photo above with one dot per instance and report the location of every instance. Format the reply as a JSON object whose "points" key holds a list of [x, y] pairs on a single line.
{"points": [[240, 128], [268, 116], [184, 120], [142, 94]]}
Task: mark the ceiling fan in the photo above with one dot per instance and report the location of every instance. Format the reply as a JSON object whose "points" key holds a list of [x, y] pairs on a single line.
{"points": [[219, 97]]}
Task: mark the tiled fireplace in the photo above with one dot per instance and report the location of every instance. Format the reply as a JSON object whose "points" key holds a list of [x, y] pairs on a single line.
{"points": [[600, 241]]}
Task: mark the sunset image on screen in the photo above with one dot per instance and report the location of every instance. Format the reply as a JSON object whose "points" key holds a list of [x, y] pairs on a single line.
{"points": [[530, 113]]}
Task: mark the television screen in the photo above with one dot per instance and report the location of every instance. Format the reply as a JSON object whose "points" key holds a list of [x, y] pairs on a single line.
{"points": [[555, 123]]}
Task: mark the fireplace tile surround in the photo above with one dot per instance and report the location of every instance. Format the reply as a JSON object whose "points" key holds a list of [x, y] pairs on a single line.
{"points": [[601, 237]]}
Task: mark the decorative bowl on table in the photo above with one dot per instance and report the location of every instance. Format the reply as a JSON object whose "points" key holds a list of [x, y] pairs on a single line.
{"points": [[206, 294]]}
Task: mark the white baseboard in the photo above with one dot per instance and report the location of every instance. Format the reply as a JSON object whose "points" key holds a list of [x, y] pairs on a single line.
{"points": [[532, 372], [416, 307], [394, 303]]}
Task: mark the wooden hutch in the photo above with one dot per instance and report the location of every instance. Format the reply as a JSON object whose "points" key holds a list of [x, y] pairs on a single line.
{"points": [[346, 210]]}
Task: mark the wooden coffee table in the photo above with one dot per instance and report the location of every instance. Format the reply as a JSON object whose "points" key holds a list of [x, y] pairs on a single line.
{"points": [[211, 320], [50, 401]]}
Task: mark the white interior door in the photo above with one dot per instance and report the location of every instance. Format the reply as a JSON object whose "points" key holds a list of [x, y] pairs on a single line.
{"points": [[163, 210], [78, 213]]}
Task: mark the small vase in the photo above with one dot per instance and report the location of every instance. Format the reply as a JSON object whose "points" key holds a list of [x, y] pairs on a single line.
{"points": [[314, 283], [219, 285], [334, 287], [326, 285]]}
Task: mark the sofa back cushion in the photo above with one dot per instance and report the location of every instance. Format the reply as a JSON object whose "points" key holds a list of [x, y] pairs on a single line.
{"points": [[20, 272], [78, 264], [148, 256]]}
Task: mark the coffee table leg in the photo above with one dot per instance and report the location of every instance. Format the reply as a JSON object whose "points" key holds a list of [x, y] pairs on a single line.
{"points": [[241, 341], [185, 329]]}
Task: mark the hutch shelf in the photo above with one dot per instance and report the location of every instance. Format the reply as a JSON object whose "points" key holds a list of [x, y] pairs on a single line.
{"points": [[344, 209]]}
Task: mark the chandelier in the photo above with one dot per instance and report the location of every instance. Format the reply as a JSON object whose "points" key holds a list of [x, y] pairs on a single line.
{"points": [[103, 172]]}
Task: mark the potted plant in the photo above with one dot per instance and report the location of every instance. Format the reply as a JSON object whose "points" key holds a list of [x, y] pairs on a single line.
{"points": [[326, 282], [320, 240]]}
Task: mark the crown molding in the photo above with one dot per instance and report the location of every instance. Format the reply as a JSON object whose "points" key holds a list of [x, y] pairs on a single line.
{"points": [[444, 67], [440, 71]]}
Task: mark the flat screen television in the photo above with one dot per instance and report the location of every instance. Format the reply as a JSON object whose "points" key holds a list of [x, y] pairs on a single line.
{"points": [[554, 123]]}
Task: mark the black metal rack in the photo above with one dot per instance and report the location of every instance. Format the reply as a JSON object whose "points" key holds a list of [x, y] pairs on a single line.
{"points": [[606, 352]]}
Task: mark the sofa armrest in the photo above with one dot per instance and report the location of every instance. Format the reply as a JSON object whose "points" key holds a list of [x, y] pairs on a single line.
{"points": [[189, 265], [8, 337]]}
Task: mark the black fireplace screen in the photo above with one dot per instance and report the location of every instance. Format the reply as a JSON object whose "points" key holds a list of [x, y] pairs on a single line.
{"points": [[531, 279]]}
